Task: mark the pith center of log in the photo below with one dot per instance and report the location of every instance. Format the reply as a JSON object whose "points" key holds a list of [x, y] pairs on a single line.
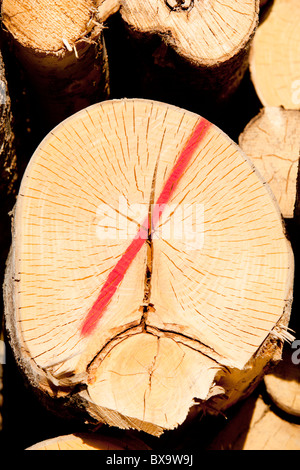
{"points": [[145, 231], [138, 328], [178, 5]]}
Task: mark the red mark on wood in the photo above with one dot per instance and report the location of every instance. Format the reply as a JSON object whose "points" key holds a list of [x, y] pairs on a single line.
{"points": [[118, 272]]}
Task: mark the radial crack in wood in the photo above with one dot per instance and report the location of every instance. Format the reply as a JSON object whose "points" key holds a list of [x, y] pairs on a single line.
{"points": [[84, 324], [223, 29], [274, 58], [272, 141]]}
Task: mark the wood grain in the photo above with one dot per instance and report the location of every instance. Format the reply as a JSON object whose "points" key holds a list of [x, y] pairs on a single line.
{"points": [[214, 316]]}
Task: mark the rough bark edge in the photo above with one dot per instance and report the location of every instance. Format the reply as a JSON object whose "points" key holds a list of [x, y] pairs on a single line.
{"points": [[74, 402], [252, 122], [8, 176], [170, 41], [74, 395], [297, 202], [68, 79], [196, 80], [155, 52]]}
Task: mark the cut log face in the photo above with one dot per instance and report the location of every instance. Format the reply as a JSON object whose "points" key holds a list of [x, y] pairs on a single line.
{"points": [[61, 48], [256, 427], [8, 183], [224, 27], [203, 44], [85, 441], [149, 265], [272, 141], [283, 383], [65, 20], [274, 58]]}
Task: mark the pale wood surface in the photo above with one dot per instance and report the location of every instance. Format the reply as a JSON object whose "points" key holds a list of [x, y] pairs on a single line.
{"points": [[43, 26], [207, 32], [199, 45], [286, 435], [61, 48], [272, 141], [210, 306], [186, 48], [85, 441], [257, 427], [283, 384], [274, 58]]}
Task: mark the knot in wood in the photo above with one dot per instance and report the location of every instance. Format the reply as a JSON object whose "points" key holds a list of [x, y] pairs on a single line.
{"points": [[177, 5]]}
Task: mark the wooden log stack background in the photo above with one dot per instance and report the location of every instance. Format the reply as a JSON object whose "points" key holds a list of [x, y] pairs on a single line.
{"points": [[142, 340]]}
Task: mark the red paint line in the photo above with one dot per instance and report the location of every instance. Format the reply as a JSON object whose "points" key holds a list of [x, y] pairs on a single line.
{"points": [[118, 272], [179, 169]]}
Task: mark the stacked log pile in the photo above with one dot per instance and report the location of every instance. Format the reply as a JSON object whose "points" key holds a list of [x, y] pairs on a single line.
{"points": [[150, 285], [8, 185]]}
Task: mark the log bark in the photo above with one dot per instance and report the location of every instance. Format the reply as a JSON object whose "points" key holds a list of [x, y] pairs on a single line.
{"points": [[149, 269], [297, 203], [272, 141], [2, 361], [274, 58], [85, 441], [255, 426], [8, 159], [188, 51], [61, 47], [8, 185], [283, 383]]}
